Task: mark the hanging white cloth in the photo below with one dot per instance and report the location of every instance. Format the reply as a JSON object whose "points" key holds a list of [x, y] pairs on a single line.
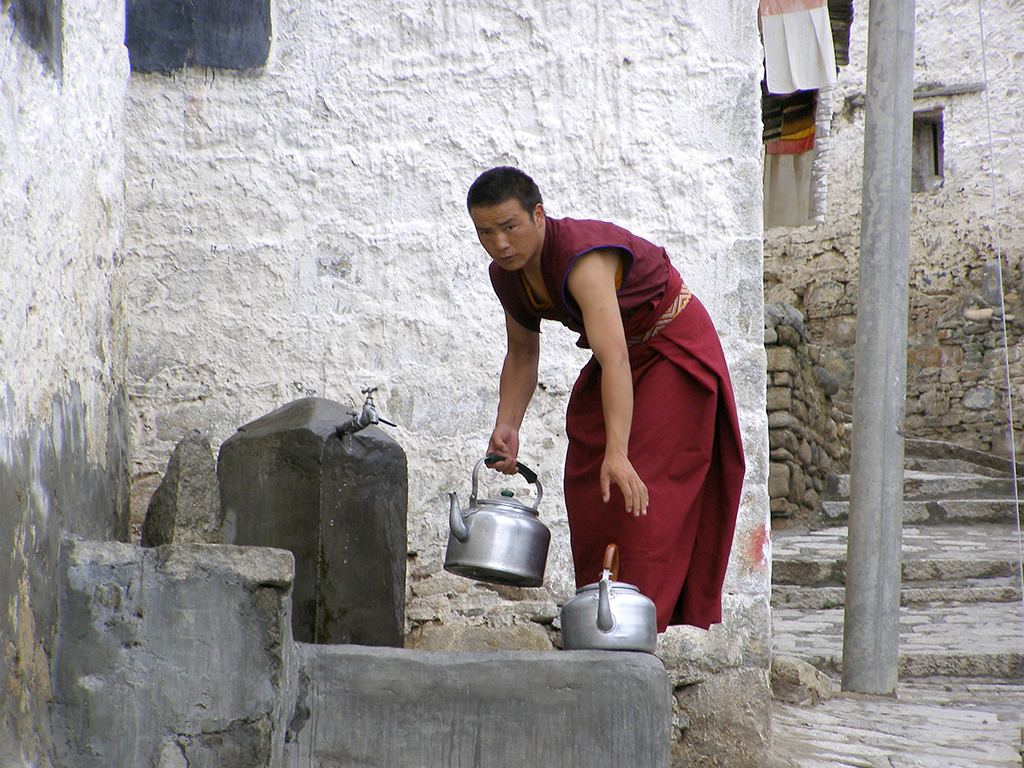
{"points": [[799, 54]]}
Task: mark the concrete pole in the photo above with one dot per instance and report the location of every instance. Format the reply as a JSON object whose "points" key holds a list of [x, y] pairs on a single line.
{"points": [[871, 629]]}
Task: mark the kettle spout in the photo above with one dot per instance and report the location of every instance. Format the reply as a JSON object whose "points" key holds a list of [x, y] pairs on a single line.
{"points": [[456, 521], [605, 619]]}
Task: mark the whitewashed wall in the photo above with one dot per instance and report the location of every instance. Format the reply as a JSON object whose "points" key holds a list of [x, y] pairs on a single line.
{"points": [[62, 337], [302, 230], [951, 228], [62, 215]]}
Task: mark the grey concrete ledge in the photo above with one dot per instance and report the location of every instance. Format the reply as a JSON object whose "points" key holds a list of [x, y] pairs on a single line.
{"points": [[245, 566], [400, 708]]}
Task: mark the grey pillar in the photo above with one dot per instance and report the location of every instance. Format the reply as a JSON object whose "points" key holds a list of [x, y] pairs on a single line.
{"points": [[871, 629]]}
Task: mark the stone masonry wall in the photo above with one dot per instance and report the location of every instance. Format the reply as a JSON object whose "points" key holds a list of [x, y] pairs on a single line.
{"points": [[959, 230], [807, 433]]}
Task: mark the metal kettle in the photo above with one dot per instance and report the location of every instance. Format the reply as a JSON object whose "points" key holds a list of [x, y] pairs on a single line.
{"points": [[610, 615], [499, 540]]}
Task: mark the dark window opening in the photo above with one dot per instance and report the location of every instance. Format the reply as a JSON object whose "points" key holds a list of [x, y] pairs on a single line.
{"points": [[39, 24], [167, 35], [926, 169]]}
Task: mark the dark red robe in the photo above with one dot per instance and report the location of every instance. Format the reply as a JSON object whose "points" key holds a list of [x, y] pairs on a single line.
{"points": [[685, 441]]}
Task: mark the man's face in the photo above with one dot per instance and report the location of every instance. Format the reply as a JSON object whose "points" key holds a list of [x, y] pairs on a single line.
{"points": [[510, 235]]}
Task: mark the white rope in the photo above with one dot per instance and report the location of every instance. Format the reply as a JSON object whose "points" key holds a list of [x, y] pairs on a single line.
{"points": [[1002, 303]]}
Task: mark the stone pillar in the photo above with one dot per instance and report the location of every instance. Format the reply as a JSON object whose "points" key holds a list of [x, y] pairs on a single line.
{"points": [[871, 628]]}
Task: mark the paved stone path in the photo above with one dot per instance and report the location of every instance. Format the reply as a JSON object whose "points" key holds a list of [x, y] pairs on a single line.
{"points": [[957, 720], [927, 725]]}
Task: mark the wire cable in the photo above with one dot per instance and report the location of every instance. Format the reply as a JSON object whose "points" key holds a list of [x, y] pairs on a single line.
{"points": [[1002, 302]]}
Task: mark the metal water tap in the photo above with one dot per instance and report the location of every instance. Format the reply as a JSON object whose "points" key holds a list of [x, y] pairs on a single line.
{"points": [[367, 417]]}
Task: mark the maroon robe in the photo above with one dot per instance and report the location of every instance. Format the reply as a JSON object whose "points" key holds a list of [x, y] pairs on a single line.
{"points": [[684, 442]]}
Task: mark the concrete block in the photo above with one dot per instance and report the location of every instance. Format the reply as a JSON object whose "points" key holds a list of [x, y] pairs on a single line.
{"points": [[175, 651], [395, 708], [339, 504]]}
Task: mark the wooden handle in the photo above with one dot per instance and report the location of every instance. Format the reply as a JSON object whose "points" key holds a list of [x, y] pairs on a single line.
{"points": [[611, 561]]}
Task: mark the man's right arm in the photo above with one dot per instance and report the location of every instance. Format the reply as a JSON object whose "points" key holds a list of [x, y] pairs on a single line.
{"points": [[518, 382]]}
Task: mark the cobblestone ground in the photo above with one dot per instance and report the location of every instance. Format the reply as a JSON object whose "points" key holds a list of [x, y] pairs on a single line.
{"points": [[929, 724]]}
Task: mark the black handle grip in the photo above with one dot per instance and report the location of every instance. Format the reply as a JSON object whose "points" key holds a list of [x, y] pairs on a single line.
{"points": [[525, 471]]}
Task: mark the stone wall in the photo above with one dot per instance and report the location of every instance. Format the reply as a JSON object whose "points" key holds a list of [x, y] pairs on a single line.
{"points": [[956, 388], [807, 433], [63, 412]]}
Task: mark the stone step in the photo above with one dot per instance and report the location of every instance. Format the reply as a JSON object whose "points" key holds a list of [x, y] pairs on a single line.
{"points": [[936, 511], [977, 640], [928, 486], [952, 467], [975, 591], [826, 573], [944, 556], [929, 723], [935, 449]]}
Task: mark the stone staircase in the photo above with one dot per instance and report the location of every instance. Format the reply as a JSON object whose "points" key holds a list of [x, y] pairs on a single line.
{"points": [[961, 614]]}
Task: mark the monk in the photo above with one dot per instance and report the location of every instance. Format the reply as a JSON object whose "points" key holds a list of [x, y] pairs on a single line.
{"points": [[655, 460]]}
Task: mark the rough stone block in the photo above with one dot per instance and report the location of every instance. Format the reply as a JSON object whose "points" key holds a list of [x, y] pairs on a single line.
{"points": [[393, 708], [934, 403], [742, 640], [779, 398], [829, 384], [788, 335], [979, 398], [181, 644], [798, 682], [785, 420], [782, 358], [729, 720], [518, 637], [185, 509], [778, 480]]}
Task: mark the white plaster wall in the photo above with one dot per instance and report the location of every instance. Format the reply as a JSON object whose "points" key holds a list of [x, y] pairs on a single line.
{"points": [[303, 230], [62, 216]]}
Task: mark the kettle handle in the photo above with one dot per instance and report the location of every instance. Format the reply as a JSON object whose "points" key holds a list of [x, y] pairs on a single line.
{"points": [[611, 562], [528, 474]]}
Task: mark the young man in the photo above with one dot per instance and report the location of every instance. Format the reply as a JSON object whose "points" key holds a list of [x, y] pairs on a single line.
{"points": [[655, 461]]}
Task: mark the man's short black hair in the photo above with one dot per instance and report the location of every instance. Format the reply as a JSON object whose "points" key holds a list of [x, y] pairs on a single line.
{"points": [[497, 185]]}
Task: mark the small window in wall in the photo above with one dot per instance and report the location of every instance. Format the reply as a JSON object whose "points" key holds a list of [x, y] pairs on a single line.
{"points": [[926, 166], [38, 22], [167, 35]]}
